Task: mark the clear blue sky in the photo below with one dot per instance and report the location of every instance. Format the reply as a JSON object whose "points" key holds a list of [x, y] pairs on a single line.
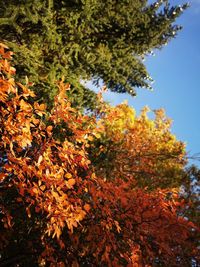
{"points": [[176, 71]]}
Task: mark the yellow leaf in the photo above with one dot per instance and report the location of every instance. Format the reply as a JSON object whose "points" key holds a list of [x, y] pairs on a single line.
{"points": [[3, 45], [97, 135], [11, 149], [90, 138], [93, 176], [39, 159], [68, 175]]}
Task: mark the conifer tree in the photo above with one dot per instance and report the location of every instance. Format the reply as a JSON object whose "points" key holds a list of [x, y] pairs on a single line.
{"points": [[86, 39]]}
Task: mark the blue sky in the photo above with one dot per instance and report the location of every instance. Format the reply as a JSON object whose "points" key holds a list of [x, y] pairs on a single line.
{"points": [[176, 71]]}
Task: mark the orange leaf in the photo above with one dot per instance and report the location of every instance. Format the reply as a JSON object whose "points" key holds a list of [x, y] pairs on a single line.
{"points": [[43, 187], [87, 207], [2, 176], [42, 107], [49, 129], [28, 212], [71, 182], [25, 106]]}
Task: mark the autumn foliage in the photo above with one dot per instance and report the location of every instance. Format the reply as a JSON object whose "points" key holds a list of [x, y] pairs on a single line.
{"points": [[88, 190]]}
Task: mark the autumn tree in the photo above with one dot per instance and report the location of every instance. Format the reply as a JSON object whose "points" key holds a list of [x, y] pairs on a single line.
{"points": [[92, 39], [140, 146], [42, 158], [59, 207]]}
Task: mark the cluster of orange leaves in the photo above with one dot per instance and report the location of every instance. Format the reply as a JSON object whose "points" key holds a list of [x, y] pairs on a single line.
{"points": [[95, 219], [44, 170]]}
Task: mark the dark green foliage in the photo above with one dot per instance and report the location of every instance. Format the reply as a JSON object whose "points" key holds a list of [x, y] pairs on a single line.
{"points": [[191, 192], [86, 39]]}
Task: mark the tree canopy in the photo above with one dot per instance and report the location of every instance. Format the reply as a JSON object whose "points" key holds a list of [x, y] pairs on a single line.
{"points": [[86, 39], [90, 190], [101, 188]]}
